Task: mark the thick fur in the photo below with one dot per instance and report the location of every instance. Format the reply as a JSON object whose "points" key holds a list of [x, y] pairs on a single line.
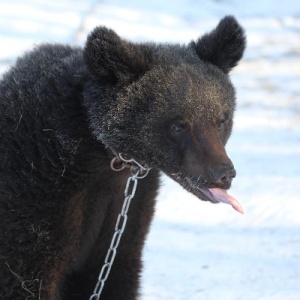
{"points": [[61, 109]]}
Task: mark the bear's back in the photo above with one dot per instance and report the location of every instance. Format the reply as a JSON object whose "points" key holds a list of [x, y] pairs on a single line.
{"points": [[41, 115]]}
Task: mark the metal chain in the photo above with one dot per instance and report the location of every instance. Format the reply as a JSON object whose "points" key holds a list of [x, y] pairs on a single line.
{"points": [[138, 171]]}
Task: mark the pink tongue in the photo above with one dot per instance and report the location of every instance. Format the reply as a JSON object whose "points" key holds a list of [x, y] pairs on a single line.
{"points": [[221, 195]]}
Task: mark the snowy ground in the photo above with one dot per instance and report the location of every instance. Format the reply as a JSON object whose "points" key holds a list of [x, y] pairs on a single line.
{"points": [[196, 250]]}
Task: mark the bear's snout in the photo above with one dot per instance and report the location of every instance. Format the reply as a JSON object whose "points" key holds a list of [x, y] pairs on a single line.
{"points": [[223, 174]]}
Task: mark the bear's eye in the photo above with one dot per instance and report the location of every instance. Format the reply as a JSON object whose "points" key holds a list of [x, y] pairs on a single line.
{"points": [[221, 123], [177, 128]]}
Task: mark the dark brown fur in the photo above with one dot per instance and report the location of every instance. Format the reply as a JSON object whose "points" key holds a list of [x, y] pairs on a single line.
{"points": [[61, 109]]}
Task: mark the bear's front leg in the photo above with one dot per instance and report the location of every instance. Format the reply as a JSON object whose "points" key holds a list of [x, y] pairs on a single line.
{"points": [[123, 280]]}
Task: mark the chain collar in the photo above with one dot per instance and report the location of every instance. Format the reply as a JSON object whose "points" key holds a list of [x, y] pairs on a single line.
{"points": [[120, 162], [138, 171]]}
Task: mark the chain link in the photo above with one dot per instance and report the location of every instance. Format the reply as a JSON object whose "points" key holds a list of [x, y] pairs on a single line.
{"points": [[138, 171]]}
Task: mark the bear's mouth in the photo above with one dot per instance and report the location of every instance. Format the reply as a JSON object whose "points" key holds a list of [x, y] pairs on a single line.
{"points": [[214, 193]]}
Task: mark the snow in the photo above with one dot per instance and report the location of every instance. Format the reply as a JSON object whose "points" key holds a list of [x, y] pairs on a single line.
{"points": [[197, 250]]}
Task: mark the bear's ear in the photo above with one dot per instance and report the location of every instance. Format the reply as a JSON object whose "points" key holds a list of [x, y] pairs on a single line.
{"points": [[224, 46], [112, 59]]}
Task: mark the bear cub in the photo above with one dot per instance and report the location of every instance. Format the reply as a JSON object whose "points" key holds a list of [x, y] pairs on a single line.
{"points": [[64, 113]]}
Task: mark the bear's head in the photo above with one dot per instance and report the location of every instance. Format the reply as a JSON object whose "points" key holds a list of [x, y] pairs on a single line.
{"points": [[170, 106]]}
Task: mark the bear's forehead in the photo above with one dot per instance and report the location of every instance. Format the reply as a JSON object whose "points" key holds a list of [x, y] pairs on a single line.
{"points": [[182, 90], [191, 87]]}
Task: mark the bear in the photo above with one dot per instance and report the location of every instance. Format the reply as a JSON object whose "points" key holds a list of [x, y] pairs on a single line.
{"points": [[69, 115]]}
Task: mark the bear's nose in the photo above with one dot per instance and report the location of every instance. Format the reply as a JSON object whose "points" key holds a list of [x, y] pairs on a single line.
{"points": [[223, 174]]}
